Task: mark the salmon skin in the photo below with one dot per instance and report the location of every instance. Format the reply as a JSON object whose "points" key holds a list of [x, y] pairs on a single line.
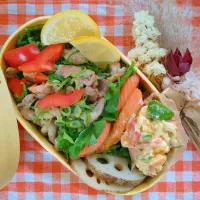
{"points": [[128, 112], [127, 89]]}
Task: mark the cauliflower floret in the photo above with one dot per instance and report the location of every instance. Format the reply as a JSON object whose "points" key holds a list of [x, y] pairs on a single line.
{"points": [[154, 68], [144, 25], [152, 33], [156, 53], [143, 17], [144, 59], [141, 40], [150, 45], [136, 52], [136, 32], [139, 55]]}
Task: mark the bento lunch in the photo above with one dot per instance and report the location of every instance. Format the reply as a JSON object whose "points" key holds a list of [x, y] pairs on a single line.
{"points": [[92, 107]]}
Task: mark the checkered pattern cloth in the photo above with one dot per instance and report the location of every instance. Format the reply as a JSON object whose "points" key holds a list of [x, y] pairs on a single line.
{"points": [[39, 175]]}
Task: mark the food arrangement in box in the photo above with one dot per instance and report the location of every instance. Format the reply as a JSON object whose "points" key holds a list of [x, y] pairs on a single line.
{"points": [[92, 108]]}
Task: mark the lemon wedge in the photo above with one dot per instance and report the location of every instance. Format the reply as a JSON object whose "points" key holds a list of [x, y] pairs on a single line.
{"points": [[67, 25], [96, 50]]}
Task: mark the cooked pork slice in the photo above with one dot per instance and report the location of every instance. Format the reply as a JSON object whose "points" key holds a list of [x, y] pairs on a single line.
{"points": [[43, 89], [116, 71], [28, 113], [49, 114], [87, 79], [98, 109], [10, 72], [29, 76], [27, 101], [69, 89], [74, 56], [102, 86], [50, 129], [92, 94], [56, 112], [67, 70]]}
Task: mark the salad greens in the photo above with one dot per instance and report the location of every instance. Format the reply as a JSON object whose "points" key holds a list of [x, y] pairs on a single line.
{"points": [[156, 110], [31, 35]]}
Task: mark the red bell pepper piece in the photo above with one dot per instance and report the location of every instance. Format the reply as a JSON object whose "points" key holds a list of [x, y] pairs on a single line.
{"points": [[60, 100], [40, 78], [21, 55], [44, 62], [16, 86]]}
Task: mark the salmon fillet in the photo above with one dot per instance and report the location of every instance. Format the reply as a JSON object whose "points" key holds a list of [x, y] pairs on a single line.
{"points": [[127, 89], [128, 112]]}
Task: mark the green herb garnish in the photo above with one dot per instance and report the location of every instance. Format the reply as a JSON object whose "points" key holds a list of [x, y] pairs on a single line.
{"points": [[54, 78], [66, 111], [74, 124], [178, 146], [146, 158], [31, 35], [156, 110], [59, 122], [146, 136]]}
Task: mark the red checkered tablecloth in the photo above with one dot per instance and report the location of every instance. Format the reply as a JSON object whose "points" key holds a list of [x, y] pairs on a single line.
{"points": [[39, 175]]}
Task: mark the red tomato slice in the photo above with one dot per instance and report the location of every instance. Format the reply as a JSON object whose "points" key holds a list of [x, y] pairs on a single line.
{"points": [[21, 55], [44, 62], [40, 78], [16, 86], [60, 100], [88, 150]]}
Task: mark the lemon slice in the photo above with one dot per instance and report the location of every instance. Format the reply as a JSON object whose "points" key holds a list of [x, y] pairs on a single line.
{"points": [[66, 25], [96, 50]]}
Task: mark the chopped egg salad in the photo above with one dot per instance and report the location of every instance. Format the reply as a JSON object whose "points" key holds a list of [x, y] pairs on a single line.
{"points": [[150, 137]]}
